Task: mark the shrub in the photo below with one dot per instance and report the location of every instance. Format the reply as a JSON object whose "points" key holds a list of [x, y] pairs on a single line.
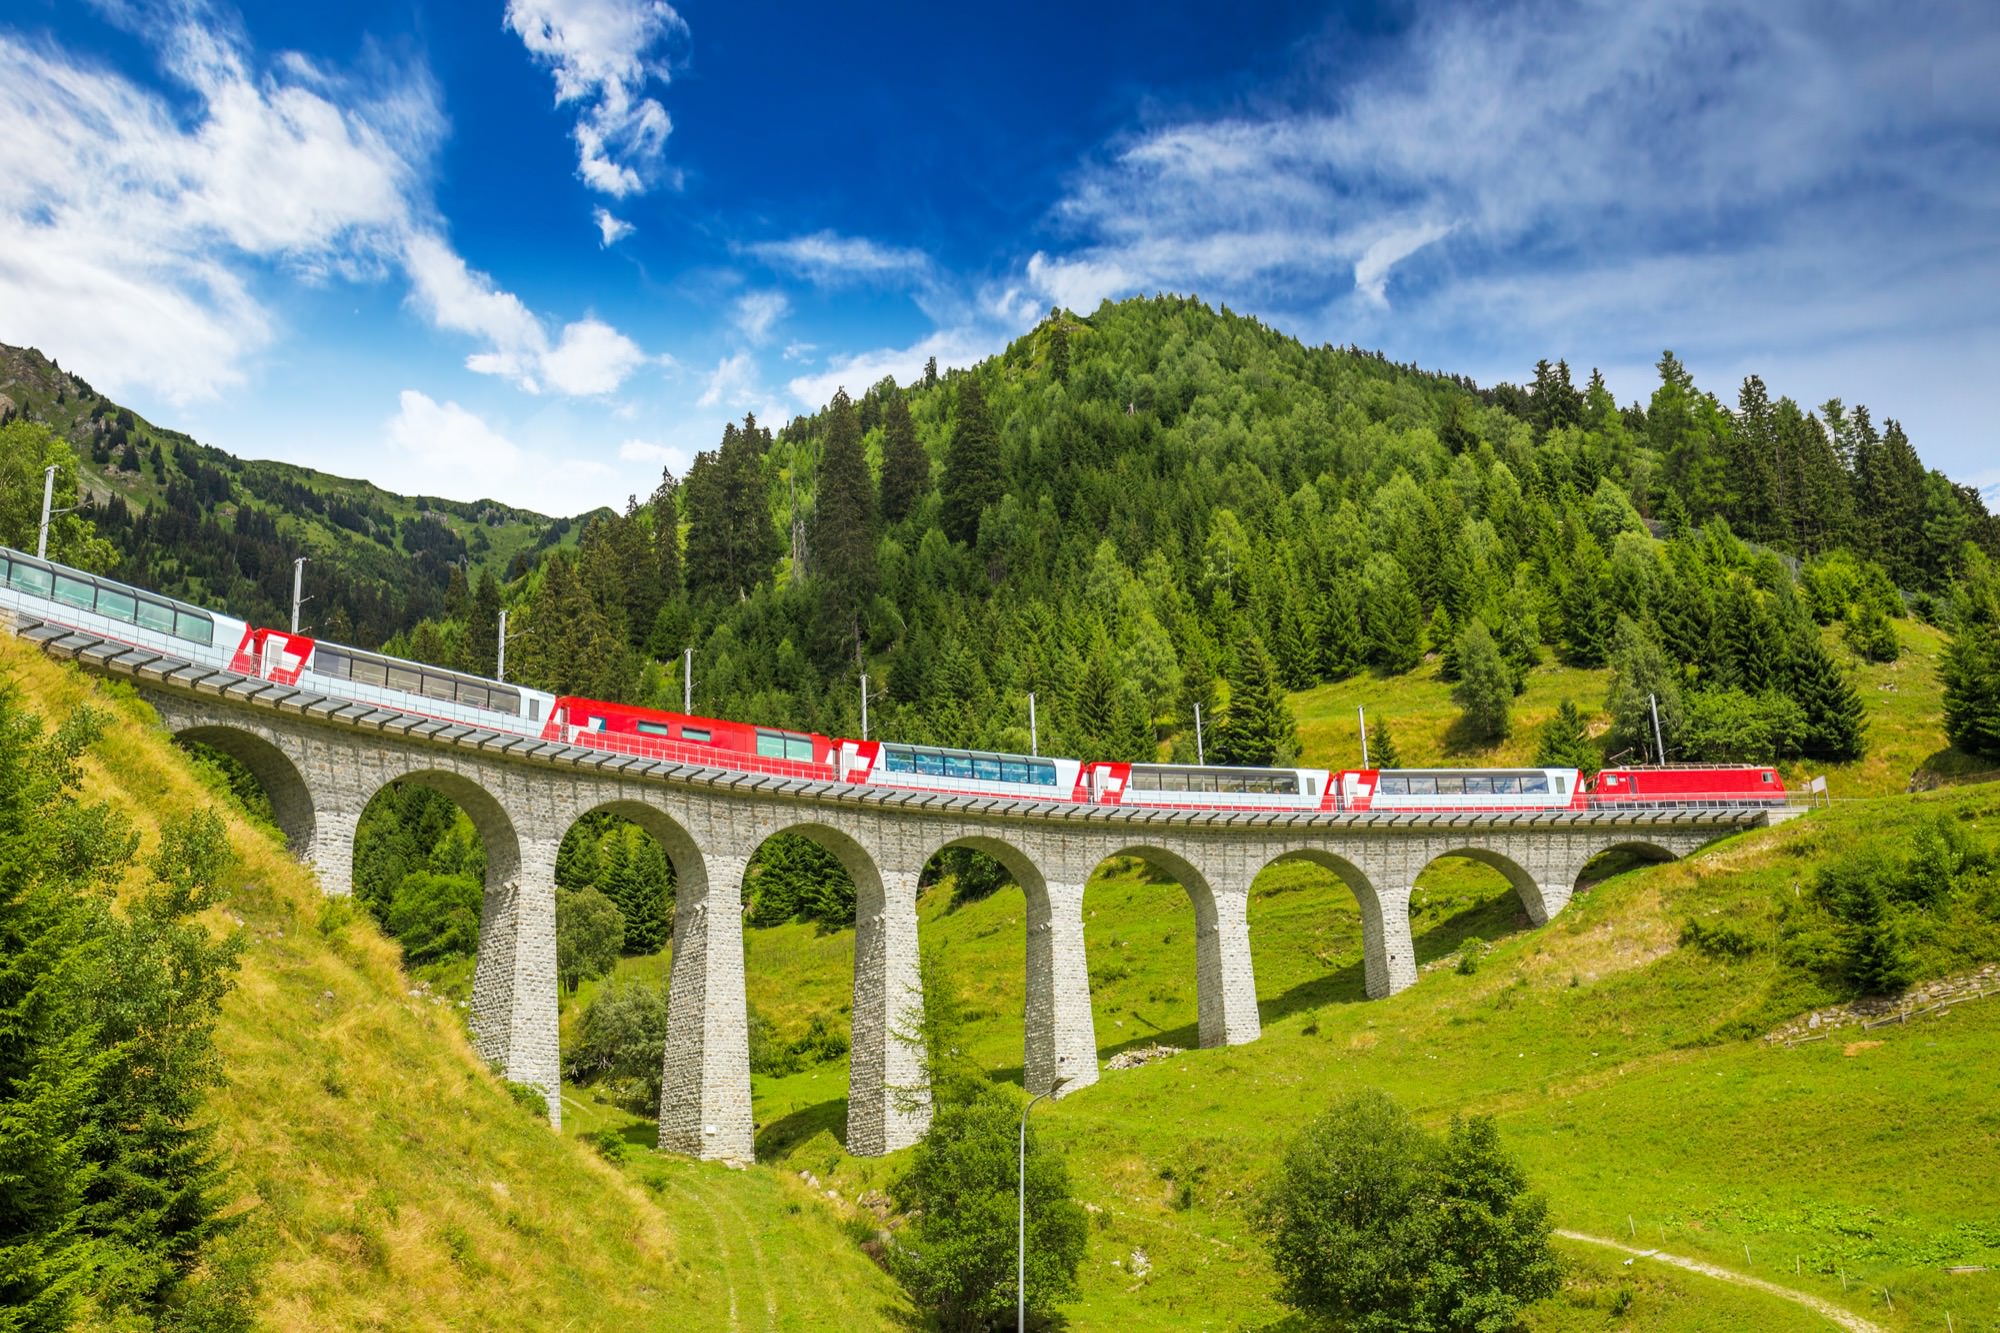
{"points": [[436, 917], [589, 933], [1718, 939], [1380, 1226], [623, 1038], [957, 1257]]}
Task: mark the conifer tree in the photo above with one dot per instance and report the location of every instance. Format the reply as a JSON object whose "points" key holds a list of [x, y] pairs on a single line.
{"points": [[972, 477], [731, 543], [1257, 728], [667, 536], [1564, 742], [1392, 617], [479, 645], [1297, 660], [1382, 751], [1341, 647], [906, 468], [1486, 688], [930, 372], [1058, 347], [1640, 673], [1834, 713], [1443, 635], [843, 528], [1971, 666]]}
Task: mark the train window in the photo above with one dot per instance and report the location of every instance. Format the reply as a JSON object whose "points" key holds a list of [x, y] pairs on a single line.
{"points": [[1535, 784], [116, 604], [30, 578], [194, 626], [1507, 786], [407, 679], [929, 765], [654, 729], [1042, 775], [1013, 770], [1562, 786], [1478, 786], [770, 745], [1394, 787], [156, 616], [1451, 786], [990, 770], [799, 748], [1765, 776], [75, 592], [1423, 786], [899, 761], [1171, 781], [439, 687], [368, 671], [1312, 786], [1201, 782], [509, 702], [473, 695], [327, 662], [700, 735], [958, 765]]}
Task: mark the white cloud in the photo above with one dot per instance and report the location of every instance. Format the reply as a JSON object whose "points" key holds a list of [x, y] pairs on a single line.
{"points": [[756, 312], [660, 455], [1371, 271], [127, 230], [135, 236], [733, 383], [450, 444], [603, 54], [800, 351], [828, 258], [612, 229], [951, 347]]}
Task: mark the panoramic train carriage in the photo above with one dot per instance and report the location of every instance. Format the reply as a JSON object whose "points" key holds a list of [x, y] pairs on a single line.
{"points": [[939, 768], [1729, 785], [685, 739], [48, 591], [1498, 789], [1209, 786]]}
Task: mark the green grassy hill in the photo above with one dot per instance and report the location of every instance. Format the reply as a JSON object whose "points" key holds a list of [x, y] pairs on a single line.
{"points": [[390, 1179], [1626, 1069]]}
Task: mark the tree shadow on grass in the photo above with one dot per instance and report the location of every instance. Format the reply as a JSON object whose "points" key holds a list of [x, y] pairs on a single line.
{"points": [[787, 1132], [1462, 742], [1494, 919]]}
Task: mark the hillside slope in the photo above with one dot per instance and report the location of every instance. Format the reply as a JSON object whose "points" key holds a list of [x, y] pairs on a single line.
{"points": [[390, 1177], [196, 522]]}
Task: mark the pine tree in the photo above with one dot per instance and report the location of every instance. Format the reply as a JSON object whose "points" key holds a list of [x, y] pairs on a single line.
{"points": [[1641, 673], [1058, 347], [1382, 751], [906, 468], [972, 477], [479, 645], [1971, 665], [1564, 742], [732, 544], [1298, 662], [843, 528], [667, 535], [1257, 728], [1444, 636], [1392, 618], [930, 372], [1486, 687], [1834, 714], [1341, 647]]}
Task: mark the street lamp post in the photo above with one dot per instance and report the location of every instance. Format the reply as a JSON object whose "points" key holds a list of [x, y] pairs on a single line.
{"points": [[1021, 1269], [48, 498]]}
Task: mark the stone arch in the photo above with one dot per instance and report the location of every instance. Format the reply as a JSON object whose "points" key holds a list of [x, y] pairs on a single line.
{"points": [[683, 854], [1640, 850], [1539, 898], [1388, 959], [1225, 981], [496, 828], [888, 1098], [283, 785]]}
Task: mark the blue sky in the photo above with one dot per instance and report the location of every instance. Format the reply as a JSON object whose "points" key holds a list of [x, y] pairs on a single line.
{"points": [[537, 249]]}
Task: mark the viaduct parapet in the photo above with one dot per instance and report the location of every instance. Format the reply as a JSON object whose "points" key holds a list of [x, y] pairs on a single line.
{"points": [[321, 761]]}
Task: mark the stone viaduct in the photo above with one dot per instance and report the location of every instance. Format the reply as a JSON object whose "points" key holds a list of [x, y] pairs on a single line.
{"points": [[321, 760]]}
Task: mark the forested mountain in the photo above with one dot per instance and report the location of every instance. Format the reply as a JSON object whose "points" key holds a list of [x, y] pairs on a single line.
{"points": [[198, 523], [1162, 505]]}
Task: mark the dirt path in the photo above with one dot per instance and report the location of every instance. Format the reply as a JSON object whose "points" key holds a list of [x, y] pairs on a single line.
{"points": [[1846, 1319]]}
